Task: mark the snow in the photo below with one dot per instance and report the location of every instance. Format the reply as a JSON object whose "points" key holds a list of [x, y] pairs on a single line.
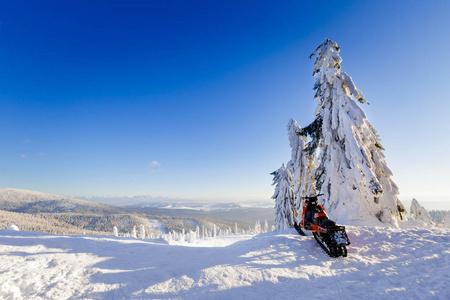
{"points": [[382, 263], [13, 227]]}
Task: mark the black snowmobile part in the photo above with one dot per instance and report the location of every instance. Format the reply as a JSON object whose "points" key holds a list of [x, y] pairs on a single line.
{"points": [[299, 229], [333, 242], [312, 197]]}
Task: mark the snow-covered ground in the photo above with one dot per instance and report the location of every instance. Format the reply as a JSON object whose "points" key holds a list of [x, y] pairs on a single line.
{"points": [[382, 263]]}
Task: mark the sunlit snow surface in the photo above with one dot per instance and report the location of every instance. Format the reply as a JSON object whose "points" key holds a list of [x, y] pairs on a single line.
{"points": [[382, 263]]}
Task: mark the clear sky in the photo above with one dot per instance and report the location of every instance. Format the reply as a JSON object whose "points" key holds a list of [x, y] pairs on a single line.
{"points": [[190, 99]]}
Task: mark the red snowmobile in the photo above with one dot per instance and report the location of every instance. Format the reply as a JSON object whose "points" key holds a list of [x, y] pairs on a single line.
{"points": [[331, 237]]}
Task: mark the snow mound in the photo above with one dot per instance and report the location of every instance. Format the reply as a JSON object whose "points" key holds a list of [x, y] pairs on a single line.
{"points": [[382, 263], [13, 227]]}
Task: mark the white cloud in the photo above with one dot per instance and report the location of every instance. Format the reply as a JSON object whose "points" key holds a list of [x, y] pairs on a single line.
{"points": [[154, 167], [154, 164]]}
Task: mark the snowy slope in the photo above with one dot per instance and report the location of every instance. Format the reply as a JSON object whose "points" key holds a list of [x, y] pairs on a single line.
{"points": [[383, 263]]}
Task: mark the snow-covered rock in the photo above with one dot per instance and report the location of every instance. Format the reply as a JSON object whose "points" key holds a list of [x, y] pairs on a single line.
{"points": [[418, 212], [13, 227]]}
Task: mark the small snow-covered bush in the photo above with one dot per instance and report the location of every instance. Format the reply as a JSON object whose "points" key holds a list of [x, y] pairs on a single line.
{"points": [[13, 227]]}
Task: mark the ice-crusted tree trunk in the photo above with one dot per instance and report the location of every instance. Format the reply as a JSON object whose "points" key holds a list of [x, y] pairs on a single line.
{"points": [[284, 198], [351, 168]]}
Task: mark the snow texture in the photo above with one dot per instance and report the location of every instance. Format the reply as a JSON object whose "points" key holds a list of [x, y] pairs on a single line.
{"points": [[382, 263]]}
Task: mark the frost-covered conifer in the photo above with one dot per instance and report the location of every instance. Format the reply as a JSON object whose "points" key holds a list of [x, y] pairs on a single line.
{"points": [[420, 213], [446, 221], [284, 198], [266, 226], [257, 228], [197, 232], [301, 165], [115, 231], [351, 168], [133, 233], [141, 231]]}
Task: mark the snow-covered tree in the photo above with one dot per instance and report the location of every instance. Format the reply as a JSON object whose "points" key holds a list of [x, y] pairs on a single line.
{"points": [[266, 226], [301, 165], [420, 213], [446, 221], [257, 228], [141, 231], [284, 198], [134, 233], [214, 230], [115, 231], [351, 169]]}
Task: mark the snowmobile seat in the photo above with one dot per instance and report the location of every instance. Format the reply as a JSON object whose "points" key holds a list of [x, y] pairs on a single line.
{"points": [[308, 216], [327, 223]]}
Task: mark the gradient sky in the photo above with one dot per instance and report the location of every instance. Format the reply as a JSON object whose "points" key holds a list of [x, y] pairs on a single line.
{"points": [[191, 99]]}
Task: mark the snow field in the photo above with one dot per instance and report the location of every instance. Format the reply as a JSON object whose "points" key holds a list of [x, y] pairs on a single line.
{"points": [[382, 263]]}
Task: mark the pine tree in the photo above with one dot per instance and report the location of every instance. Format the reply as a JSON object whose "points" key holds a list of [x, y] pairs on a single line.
{"points": [[266, 226], [351, 169], [301, 165], [446, 221], [284, 198], [420, 213], [141, 231]]}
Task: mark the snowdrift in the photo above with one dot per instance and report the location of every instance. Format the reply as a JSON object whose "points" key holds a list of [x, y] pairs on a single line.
{"points": [[382, 263]]}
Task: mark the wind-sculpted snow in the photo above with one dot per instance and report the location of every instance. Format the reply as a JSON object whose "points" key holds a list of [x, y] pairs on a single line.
{"points": [[382, 263]]}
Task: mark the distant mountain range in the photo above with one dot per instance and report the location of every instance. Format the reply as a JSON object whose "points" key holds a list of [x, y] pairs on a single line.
{"points": [[24, 201], [58, 214]]}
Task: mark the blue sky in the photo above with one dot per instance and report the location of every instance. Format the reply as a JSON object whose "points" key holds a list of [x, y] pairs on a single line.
{"points": [[190, 99]]}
